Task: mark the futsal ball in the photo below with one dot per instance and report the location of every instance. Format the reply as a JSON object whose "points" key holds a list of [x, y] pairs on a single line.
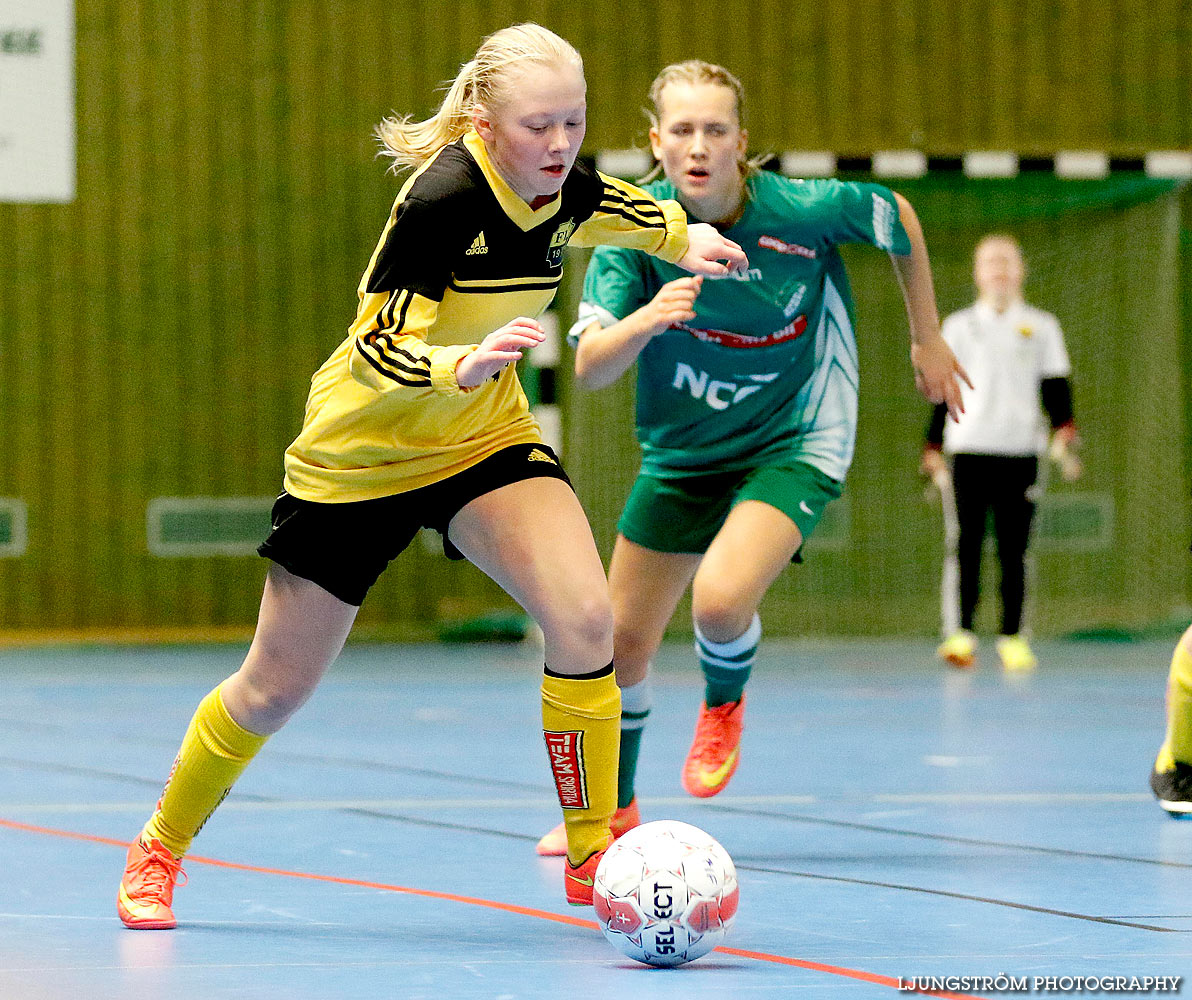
{"points": [[665, 893]]}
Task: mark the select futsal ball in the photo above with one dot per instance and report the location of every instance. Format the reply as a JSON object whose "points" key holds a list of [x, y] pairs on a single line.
{"points": [[665, 893]]}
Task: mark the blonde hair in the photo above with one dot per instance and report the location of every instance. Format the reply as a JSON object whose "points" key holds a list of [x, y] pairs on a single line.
{"points": [[696, 71], [480, 82], [1006, 238]]}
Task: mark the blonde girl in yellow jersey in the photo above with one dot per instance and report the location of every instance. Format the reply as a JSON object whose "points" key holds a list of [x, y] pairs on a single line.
{"points": [[417, 420]]}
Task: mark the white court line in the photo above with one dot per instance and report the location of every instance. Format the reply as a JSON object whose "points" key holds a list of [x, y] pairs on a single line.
{"points": [[330, 805], [565, 959], [1034, 798], [108, 920], [53, 916]]}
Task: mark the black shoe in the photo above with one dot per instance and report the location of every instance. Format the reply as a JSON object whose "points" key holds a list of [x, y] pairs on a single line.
{"points": [[1173, 789]]}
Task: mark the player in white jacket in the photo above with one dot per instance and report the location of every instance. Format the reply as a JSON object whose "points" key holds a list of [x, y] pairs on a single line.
{"points": [[989, 457]]}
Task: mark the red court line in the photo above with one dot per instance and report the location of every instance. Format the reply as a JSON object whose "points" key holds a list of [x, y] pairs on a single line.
{"points": [[492, 904]]}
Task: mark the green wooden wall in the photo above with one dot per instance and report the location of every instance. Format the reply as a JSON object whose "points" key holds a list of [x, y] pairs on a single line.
{"points": [[157, 335]]}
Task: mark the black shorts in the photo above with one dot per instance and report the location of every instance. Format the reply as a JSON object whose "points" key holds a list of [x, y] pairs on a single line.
{"points": [[344, 547]]}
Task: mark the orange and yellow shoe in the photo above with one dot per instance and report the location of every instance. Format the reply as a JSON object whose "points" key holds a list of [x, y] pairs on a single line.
{"points": [[578, 882], [147, 889], [715, 750], [554, 844], [959, 649]]}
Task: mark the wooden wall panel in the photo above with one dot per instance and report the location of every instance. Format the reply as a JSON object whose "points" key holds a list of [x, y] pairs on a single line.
{"points": [[158, 334]]}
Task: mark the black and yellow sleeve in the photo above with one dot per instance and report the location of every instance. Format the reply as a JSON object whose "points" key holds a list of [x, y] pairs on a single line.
{"points": [[627, 216], [400, 295]]}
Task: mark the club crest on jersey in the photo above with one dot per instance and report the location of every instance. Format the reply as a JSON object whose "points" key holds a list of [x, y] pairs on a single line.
{"points": [[567, 765], [1026, 332], [554, 252]]}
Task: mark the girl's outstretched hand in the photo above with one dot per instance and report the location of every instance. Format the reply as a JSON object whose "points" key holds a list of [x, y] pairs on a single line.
{"points": [[708, 250], [497, 350]]}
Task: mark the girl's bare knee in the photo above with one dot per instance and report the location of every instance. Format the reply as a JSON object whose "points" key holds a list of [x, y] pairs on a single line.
{"points": [[270, 687], [581, 640], [719, 614]]}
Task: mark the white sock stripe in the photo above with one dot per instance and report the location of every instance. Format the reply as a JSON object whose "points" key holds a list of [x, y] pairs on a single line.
{"points": [[637, 699], [725, 664], [629, 724], [747, 640]]}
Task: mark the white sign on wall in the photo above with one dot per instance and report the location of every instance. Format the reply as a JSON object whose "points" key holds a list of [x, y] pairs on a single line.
{"points": [[37, 112]]}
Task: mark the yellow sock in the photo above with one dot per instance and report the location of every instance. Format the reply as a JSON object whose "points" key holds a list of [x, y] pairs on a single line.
{"points": [[1177, 745], [214, 753], [581, 720]]}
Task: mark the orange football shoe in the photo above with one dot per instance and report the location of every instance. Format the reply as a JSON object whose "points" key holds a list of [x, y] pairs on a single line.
{"points": [[715, 750], [554, 844], [578, 882], [147, 889]]}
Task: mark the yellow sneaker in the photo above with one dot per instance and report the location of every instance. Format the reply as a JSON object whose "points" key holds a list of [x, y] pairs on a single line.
{"points": [[959, 649], [147, 889], [554, 844], [1015, 653], [716, 749], [578, 882]]}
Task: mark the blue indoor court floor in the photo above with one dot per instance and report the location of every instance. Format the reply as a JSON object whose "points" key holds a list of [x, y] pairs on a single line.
{"points": [[890, 818]]}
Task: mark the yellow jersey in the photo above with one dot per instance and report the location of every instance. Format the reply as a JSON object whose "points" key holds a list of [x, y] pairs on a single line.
{"points": [[460, 256]]}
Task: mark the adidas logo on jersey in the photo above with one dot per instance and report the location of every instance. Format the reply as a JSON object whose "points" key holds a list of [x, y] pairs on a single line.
{"points": [[478, 246], [538, 455]]}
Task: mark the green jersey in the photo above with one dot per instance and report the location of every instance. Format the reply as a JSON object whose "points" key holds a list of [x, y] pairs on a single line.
{"points": [[766, 373]]}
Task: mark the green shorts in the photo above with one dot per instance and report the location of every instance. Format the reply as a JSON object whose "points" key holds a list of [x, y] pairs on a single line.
{"points": [[685, 513]]}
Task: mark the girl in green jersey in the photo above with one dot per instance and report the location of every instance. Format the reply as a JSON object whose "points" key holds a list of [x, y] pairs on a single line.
{"points": [[746, 401]]}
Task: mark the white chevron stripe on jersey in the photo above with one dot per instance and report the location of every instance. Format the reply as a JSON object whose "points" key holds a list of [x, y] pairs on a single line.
{"points": [[829, 400]]}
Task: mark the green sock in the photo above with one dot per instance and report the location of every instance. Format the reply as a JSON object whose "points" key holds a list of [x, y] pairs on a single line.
{"points": [[727, 665], [635, 709], [631, 743]]}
